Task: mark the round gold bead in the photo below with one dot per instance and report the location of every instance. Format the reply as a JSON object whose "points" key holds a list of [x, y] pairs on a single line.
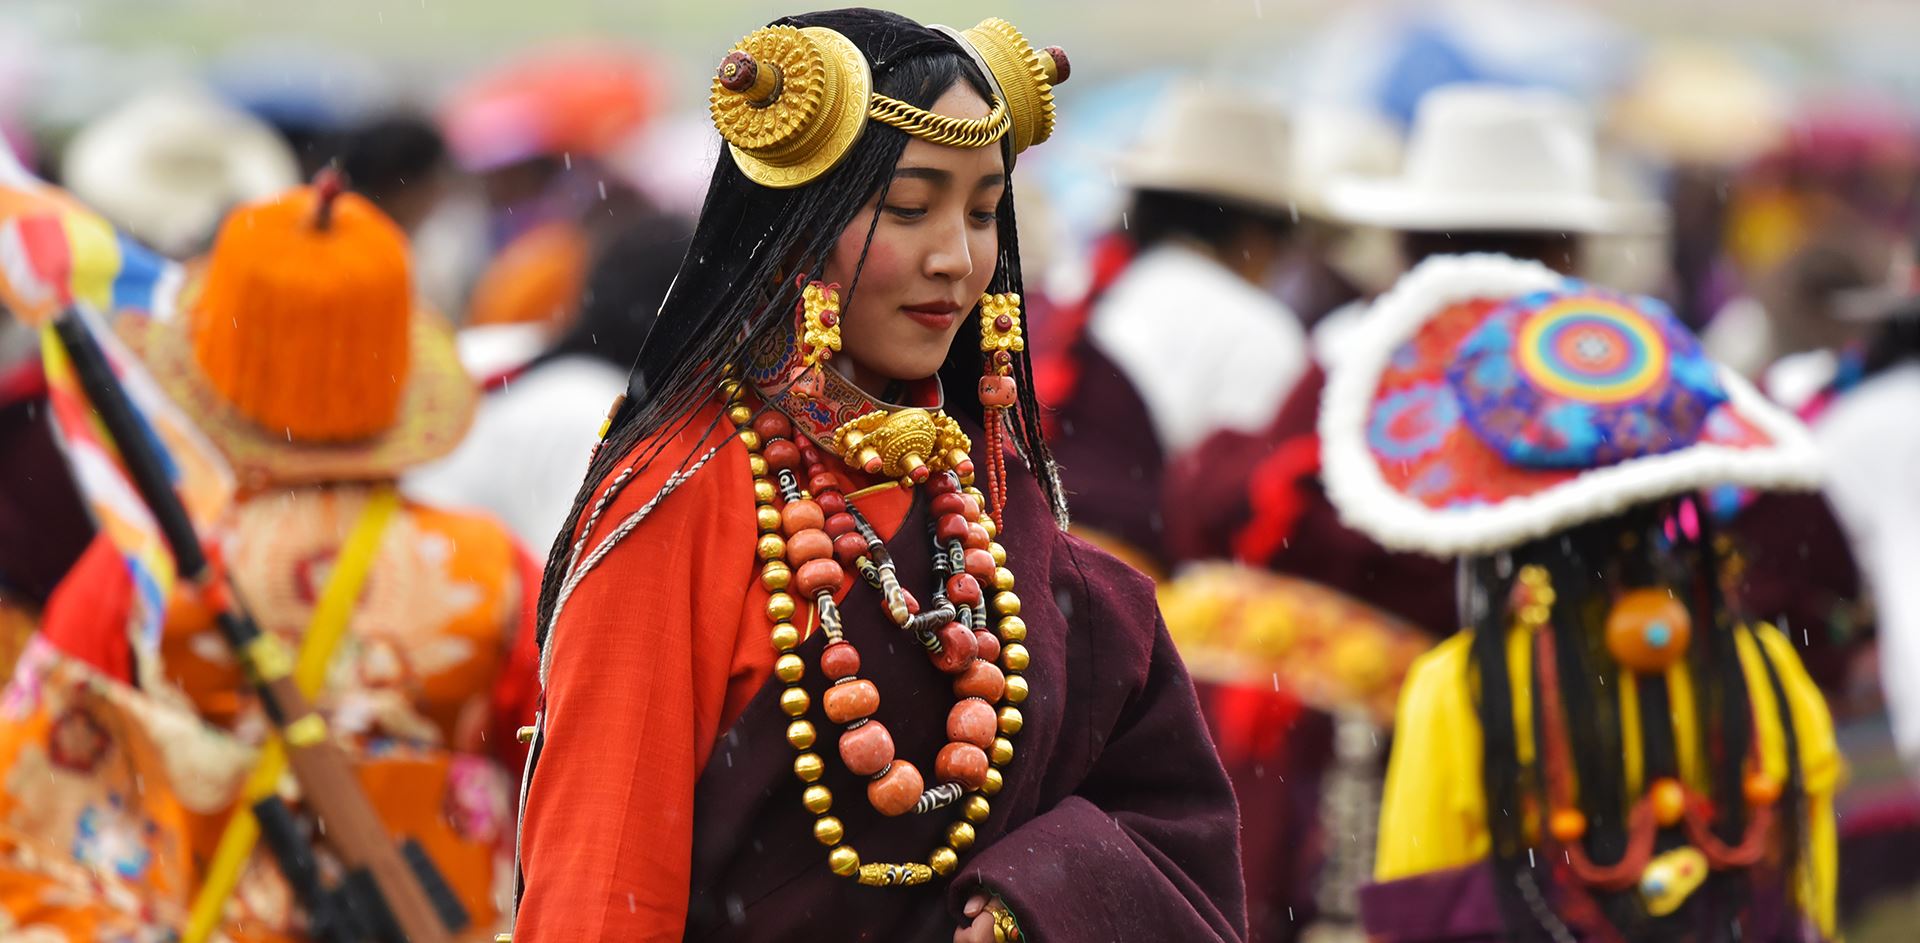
{"points": [[999, 554], [772, 547], [943, 861], [757, 466], [1007, 604], [739, 415], [794, 701], [767, 518], [1002, 752], [780, 607], [729, 390], [809, 766], [775, 575], [976, 808], [960, 836], [763, 492], [1016, 689], [1002, 579], [789, 667], [1010, 720], [750, 439], [994, 781], [1014, 657], [975, 493], [844, 861], [987, 524], [800, 734], [828, 831], [817, 799], [1013, 629], [785, 637]]}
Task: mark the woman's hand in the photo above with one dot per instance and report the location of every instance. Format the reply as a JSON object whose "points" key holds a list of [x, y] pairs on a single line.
{"points": [[979, 911]]}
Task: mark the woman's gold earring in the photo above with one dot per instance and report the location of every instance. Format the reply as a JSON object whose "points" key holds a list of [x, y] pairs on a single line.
{"points": [[1000, 338], [818, 314]]}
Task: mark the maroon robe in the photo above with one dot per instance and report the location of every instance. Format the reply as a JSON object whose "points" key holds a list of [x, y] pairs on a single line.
{"points": [[1116, 821]]}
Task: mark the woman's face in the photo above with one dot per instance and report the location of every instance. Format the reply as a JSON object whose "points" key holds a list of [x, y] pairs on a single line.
{"points": [[932, 255]]}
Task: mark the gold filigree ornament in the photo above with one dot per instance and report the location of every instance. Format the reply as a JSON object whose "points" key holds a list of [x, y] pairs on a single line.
{"points": [[1023, 75], [791, 102], [909, 444], [820, 322], [1000, 329]]}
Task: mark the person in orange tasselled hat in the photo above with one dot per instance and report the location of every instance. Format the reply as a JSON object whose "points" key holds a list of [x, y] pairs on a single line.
{"points": [[304, 357]]}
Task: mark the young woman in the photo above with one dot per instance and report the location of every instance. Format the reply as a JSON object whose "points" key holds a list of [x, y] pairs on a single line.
{"points": [[1608, 750], [819, 660]]}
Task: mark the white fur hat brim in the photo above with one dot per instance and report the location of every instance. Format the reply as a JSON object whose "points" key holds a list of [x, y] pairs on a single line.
{"points": [[1367, 502]]}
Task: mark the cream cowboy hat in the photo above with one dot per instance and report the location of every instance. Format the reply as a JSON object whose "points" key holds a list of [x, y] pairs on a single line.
{"points": [[1210, 143], [169, 164], [1487, 157]]}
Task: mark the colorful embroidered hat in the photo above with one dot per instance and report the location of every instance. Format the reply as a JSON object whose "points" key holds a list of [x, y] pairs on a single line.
{"points": [[1492, 401], [303, 355]]}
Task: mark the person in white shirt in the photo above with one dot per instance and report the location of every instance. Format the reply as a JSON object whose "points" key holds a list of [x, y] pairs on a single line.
{"points": [[535, 428], [1190, 321]]}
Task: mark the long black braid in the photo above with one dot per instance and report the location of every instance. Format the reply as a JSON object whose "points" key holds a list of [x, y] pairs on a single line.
{"points": [[1644, 546]]}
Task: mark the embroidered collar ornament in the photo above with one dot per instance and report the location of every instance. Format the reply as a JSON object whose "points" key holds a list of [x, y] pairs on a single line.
{"points": [[1492, 401], [791, 102]]}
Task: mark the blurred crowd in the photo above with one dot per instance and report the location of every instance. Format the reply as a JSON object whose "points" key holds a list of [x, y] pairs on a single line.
{"points": [[1209, 252]]}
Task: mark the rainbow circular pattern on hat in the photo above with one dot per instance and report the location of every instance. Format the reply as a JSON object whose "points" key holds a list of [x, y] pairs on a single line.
{"points": [[1591, 349], [1579, 378]]}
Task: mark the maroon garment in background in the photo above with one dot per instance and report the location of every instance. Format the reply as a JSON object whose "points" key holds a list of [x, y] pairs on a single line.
{"points": [[1460, 905], [1209, 507], [1111, 462], [37, 498], [1800, 576], [1116, 821]]}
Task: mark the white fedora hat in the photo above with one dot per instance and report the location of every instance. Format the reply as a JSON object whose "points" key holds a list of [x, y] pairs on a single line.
{"points": [[1211, 143], [1489, 157], [168, 164]]}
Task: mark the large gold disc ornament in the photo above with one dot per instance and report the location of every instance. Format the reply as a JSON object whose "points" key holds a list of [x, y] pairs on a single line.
{"points": [[791, 103]]}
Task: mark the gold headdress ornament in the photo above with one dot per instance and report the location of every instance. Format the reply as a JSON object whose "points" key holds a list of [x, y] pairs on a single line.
{"points": [[791, 101]]}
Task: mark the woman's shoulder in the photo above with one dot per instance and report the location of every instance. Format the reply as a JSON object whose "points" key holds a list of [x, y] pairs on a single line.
{"points": [[696, 460]]}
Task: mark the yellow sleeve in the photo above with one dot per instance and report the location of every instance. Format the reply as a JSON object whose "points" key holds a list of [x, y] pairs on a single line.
{"points": [[1432, 814], [1821, 768]]}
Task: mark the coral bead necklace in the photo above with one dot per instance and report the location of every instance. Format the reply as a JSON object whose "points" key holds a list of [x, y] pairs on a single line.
{"points": [[811, 538]]}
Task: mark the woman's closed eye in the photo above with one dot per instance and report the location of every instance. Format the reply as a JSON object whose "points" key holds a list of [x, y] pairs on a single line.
{"points": [[906, 213]]}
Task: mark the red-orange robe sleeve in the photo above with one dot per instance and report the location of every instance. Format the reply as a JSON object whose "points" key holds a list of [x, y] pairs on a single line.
{"points": [[641, 659]]}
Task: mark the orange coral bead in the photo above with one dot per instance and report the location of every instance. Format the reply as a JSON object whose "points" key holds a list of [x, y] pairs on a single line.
{"points": [[972, 721], [808, 545], [895, 791], [1648, 630], [983, 680], [772, 425], [961, 763], [817, 575], [1567, 826], [839, 660], [801, 515], [1669, 801], [848, 702], [1761, 789], [866, 749]]}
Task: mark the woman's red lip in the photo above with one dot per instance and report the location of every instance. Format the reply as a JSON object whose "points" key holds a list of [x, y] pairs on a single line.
{"points": [[933, 320], [933, 307]]}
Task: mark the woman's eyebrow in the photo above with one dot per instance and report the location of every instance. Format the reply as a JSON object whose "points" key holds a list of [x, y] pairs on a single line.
{"points": [[990, 181], [930, 174]]}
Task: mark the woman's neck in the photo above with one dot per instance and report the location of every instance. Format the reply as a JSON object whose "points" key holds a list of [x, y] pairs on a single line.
{"points": [[883, 388]]}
